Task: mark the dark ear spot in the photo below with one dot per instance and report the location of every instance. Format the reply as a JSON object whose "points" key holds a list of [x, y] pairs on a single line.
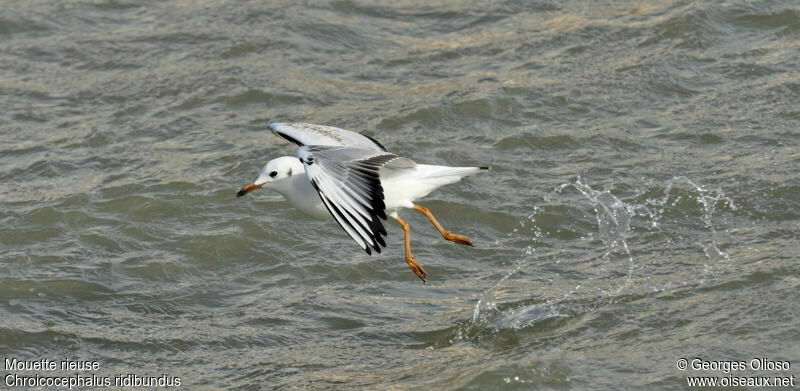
{"points": [[289, 173]]}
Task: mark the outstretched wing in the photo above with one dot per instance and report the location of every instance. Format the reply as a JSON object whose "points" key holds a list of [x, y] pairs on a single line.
{"points": [[348, 182], [311, 134]]}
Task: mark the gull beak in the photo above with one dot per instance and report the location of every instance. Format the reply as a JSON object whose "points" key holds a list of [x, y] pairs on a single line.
{"points": [[248, 189]]}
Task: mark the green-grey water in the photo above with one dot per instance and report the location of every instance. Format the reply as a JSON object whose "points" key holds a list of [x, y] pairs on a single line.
{"points": [[641, 208]]}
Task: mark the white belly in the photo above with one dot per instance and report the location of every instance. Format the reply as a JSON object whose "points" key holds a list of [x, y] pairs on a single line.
{"points": [[305, 198]]}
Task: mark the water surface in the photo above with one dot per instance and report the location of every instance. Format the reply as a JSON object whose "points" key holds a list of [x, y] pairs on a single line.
{"points": [[641, 208]]}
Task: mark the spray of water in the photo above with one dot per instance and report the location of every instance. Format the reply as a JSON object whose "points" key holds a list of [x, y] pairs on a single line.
{"points": [[485, 311], [613, 222], [708, 199], [614, 218]]}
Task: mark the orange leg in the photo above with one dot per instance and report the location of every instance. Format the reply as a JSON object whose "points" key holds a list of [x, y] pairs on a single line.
{"points": [[415, 266], [445, 233]]}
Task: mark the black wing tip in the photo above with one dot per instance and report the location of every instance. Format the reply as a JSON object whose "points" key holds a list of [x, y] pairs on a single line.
{"points": [[376, 142], [372, 240], [274, 127], [374, 245], [485, 168]]}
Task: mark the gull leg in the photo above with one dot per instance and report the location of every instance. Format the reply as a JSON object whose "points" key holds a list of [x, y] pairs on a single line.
{"points": [[415, 266], [445, 233]]}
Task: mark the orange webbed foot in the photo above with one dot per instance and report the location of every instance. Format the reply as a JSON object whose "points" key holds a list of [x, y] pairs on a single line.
{"points": [[417, 268], [460, 239]]}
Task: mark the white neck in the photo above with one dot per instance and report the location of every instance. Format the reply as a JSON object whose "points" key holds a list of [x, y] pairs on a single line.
{"points": [[297, 189]]}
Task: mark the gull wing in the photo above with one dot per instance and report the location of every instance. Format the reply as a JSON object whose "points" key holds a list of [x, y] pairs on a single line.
{"points": [[311, 134], [348, 182]]}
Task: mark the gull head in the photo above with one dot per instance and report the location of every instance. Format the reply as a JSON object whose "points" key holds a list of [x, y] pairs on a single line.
{"points": [[274, 174]]}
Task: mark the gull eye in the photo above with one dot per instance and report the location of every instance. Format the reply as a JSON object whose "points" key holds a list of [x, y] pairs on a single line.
{"points": [[272, 174]]}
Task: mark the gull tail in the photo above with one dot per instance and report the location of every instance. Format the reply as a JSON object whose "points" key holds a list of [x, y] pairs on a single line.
{"points": [[447, 175]]}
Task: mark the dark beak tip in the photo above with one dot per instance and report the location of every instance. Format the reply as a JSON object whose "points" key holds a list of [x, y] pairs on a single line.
{"points": [[248, 189]]}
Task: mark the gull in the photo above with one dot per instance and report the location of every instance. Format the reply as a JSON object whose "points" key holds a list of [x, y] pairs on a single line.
{"points": [[354, 179]]}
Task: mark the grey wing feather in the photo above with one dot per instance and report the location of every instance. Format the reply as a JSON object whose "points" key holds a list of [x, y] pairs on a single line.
{"points": [[348, 182], [311, 134]]}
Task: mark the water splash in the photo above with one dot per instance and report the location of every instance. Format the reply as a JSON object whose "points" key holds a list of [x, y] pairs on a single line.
{"points": [[486, 307], [613, 221], [708, 200], [613, 217], [487, 303], [485, 311]]}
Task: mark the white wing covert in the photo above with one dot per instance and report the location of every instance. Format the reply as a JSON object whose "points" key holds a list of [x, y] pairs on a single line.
{"points": [[311, 134], [348, 182]]}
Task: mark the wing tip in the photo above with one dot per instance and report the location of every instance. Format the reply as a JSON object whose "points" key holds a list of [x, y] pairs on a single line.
{"points": [[374, 245], [370, 239], [276, 129], [376, 142]]}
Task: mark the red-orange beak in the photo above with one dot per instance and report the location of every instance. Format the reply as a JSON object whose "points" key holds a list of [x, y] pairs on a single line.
{"points": [[248, 189]]}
